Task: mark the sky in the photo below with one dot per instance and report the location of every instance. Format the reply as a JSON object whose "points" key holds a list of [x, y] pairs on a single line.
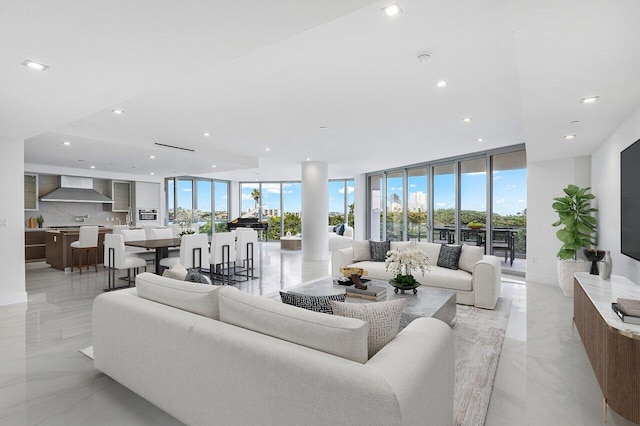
{"points": [[509, 197]]}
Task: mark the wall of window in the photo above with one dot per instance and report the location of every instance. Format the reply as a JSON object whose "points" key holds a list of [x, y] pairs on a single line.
{"points": [[192, 201], [477, 199], [341, 202]]}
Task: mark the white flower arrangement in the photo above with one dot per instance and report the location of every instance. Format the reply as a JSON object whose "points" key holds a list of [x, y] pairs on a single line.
{"points": [[403, 263]]}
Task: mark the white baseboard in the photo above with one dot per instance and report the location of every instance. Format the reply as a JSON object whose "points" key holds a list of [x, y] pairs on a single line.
{"points": [[13, 298]]}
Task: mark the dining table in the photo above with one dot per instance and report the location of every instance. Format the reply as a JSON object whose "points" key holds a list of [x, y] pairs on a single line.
{"points": [[161, 247]]}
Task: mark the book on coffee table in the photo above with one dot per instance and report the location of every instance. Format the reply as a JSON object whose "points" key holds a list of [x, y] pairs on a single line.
{"points": [[629, 319], [371, 293]]}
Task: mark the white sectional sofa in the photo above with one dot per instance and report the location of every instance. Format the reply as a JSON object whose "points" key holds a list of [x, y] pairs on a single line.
{"points": [[214, 355], [337, 242], [477, 281]]}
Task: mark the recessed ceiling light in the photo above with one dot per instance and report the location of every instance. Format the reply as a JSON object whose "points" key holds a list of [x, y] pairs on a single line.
{"points": [[92, 167], [424, 57], [308, 159], [441, 83], [589, 100], [66, 143], [81, 161], [323, 127], [574, 122], [35, 65], [466, 119], [392, 10], [152, 156], [569, 137], [480, 140], [206, 134], [267, 149], [213, 166], [117, 111], [152, 173]]}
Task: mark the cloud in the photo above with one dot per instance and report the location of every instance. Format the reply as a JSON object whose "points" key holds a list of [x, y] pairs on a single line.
{"points": [[441, 204], [412, 185], [500, 201], [272, 188], [246, 197], [186, 190], [350, 189], [522, 201]]}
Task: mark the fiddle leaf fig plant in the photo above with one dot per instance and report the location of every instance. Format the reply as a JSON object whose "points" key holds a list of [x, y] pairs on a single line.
{"points": [[574, 211]]}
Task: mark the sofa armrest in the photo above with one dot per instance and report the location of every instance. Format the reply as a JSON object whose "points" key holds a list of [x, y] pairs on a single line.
{"points": [[487, 282], [340, 259], [423, 383]]}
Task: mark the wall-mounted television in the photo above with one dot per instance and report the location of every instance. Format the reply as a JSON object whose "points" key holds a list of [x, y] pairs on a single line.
{"points": [[630, 201]]}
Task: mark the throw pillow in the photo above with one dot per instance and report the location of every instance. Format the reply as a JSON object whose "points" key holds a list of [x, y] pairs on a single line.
{"points": [[194, 276], [312, 303], [177, 272], [335, 228], [379, 250], [383, 319], [340, 230], [361, 250], [469, 256], [449, 256]]}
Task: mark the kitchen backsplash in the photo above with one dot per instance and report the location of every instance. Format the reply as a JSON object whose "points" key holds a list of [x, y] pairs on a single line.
{"points": [[59, 214]]}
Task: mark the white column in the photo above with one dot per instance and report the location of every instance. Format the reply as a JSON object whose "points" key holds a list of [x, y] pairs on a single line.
{"points": [[315, 210], [361, 207], [12, 289]]}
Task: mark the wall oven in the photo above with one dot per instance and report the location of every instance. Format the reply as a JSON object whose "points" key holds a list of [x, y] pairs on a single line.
{"points": [[147, 214]]}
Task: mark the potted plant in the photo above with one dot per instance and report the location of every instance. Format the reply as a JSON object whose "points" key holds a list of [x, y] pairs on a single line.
{"points": [[475, 225], [40, 221], [578, 229], [402, 264]]}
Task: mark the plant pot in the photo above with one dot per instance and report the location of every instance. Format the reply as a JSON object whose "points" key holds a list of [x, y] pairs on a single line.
{"points": [[566, 270]]}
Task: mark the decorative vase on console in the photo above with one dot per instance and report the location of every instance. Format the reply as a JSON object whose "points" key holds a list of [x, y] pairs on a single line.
{"points": [[594, 256], [606, 266]]}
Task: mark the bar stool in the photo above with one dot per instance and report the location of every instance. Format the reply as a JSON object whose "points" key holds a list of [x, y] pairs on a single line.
{"points": [[246, 251], [223, 255], [87, 242]]}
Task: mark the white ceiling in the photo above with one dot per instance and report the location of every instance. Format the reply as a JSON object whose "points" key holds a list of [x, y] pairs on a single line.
{"points": [[259, 74]]}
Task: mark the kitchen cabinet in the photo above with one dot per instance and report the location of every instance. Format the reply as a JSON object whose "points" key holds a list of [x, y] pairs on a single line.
{"points": [[58, 250], [147, 195], [30, 192], [34, 246], [121, 196]]}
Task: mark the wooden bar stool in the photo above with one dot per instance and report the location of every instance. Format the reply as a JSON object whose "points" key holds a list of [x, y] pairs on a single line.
{"points": [[87, 242]]}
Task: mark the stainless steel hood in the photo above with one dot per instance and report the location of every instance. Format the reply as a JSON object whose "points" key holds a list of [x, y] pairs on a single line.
{"points": [[74, 189]]}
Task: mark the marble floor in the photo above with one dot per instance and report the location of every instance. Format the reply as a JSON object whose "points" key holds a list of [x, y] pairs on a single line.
{"points": [[543, 377]]}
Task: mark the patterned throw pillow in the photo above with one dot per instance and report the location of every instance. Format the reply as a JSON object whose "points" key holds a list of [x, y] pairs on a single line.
{"points": [[449, 256], [340, 229], [312, 303], [177, 272], [193, 276], [383, 319], [379, 250]]}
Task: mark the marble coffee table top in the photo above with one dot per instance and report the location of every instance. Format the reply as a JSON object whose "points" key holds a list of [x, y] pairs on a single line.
{"points": [[428, 302]]}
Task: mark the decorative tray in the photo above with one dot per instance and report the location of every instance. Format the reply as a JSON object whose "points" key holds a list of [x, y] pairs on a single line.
{"points": [[347, 280]]}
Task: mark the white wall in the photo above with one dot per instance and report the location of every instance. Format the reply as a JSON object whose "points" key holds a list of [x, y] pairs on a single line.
{"points": [[360, 219], [12, 285], [606, 187], [545, 180]]}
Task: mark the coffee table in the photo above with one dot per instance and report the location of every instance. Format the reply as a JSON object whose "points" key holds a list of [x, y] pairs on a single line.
{"points": [[428, 302]]}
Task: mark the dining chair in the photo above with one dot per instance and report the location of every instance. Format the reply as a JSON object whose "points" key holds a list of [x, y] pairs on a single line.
{"points": [[503, 240], [117, 229], [194, 252], [160, 234], [176, 229], [87, 243], [247, 252], [223, 255], [115, 257]]}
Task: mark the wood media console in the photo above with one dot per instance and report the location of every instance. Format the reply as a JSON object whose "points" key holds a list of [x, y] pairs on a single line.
{"points": [[613, 346]]}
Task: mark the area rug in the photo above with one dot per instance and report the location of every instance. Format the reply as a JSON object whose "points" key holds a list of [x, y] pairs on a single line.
{"points": [[479, 334]]}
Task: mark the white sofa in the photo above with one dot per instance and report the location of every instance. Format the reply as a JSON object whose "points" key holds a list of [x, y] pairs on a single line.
{"points": [[477, 281], [337, 242], [214, 355]]}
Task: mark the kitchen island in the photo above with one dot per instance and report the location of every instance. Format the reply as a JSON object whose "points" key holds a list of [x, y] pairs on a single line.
{"points": [[58, 250]]}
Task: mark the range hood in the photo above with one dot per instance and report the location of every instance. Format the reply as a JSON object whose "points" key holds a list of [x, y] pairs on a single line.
{"points": [[74, 189]]}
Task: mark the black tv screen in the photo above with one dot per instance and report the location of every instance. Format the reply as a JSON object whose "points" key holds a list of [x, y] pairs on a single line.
{"points": [[630, 201]]}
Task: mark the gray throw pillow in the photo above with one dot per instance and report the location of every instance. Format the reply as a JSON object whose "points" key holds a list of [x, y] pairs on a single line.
{"points": [[193, 276], [312, 303], [379, 250], [340, 230], [449, 256]]}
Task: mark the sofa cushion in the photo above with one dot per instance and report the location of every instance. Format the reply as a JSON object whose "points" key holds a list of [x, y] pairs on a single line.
{"points": [[431, 250], [335, 228], [469, 257], [383, 319], [196, 298], [402, 245], [449, 256], [343, 337], [448, 278], [340, 229], [379, 250], [361, 250], [177, 272], [312, 303]]}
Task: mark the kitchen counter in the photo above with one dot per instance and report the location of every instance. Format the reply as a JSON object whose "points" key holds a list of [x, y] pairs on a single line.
{"points": [[58, 250]]}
